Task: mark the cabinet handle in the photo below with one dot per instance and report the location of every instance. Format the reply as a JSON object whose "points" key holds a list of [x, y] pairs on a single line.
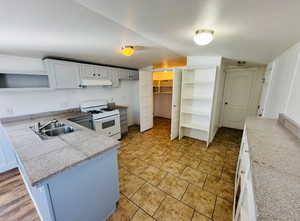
{"points": [[94, 74], [246, 151], [242, 172]]}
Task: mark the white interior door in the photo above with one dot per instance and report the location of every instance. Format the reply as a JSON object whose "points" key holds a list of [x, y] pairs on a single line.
{"points": [[240, 88], [146, 100], [176, 96]]}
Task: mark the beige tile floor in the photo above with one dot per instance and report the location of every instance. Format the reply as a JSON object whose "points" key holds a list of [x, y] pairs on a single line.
{"points": [[167, 180]]}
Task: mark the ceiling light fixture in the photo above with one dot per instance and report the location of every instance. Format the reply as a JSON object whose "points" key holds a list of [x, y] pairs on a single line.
{"points": [[127, 50], [203, 37]]}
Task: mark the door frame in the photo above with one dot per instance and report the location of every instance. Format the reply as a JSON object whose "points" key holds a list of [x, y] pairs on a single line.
{"points": [[142, 101], [174, 135], [259, 72], [150, 69]]}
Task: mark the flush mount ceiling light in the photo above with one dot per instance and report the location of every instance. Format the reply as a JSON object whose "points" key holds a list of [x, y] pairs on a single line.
{"points": [[203, 37], [127, 50]]}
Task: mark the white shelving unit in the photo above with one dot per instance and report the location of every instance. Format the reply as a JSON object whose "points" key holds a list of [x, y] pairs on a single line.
{"points": [[162, 86], [197, 94]]}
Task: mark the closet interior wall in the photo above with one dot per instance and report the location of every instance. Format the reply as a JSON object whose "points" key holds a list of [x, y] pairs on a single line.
{"points": [[162, 93]]}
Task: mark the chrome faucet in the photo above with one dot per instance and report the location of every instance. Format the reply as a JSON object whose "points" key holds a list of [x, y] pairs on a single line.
{"points": [[39, 127]]}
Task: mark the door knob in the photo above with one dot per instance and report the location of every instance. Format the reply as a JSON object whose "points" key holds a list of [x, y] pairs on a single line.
{"points": [[226, 103]]}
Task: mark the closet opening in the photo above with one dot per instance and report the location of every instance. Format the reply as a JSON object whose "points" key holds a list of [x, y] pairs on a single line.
{"points": [[162, 99]]}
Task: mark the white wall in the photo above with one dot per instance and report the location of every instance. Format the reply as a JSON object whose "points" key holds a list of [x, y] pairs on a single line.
{"points": [[162, 105], [29, 102], [283, 94], [204, 60], [218, 101], [293, 106]]}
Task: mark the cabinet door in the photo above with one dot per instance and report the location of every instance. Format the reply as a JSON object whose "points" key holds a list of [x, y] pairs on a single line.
{"points": [[102, 72], [146, 100], [123, 74], [113, 75], [7, 156], [87, 71], [133, 75], [243, 200], [67, 74]]}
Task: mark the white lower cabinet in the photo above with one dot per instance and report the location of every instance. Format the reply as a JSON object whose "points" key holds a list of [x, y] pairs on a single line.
{"points": [[7, 155], [244, 204], [86, 191]]}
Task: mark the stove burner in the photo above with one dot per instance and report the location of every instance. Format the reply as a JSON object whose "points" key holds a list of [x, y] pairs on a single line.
{"points": [[95, 112]]}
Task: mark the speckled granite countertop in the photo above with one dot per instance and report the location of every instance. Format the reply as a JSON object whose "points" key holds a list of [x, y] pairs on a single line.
{"points": [[275, 168], [121, 107], [44, 158]]}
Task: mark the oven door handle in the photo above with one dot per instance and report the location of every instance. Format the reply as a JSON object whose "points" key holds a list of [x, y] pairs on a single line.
{"points": [[111, 116]]}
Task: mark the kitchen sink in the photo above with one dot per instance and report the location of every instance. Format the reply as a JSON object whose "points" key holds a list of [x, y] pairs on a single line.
{"points": [[52, 129], [54, 125], [58, 131]]}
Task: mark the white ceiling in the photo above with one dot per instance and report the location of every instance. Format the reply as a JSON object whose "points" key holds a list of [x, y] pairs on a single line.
{"points": [[64, 28], [94, 30]]}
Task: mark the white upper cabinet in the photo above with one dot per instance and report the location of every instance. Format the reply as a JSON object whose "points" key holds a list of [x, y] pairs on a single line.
{"points": [[102, 72], [114, 76], [128, 74], [87, 71], [93, 72], [64, 74]]}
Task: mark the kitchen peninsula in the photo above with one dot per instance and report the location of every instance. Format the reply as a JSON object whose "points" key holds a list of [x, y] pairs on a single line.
{"points": [[70, 177]]}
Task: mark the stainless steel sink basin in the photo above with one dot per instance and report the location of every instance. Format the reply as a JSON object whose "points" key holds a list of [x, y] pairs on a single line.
{"points": [[58, 131], [52, 129], [54, 125]]}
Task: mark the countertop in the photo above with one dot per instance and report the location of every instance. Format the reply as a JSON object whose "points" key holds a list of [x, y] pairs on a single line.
{"points": [[275, 167], [42, 159], [121, 107]]}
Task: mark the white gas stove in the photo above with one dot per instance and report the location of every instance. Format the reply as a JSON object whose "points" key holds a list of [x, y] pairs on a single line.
{"points": [[105, 121]]}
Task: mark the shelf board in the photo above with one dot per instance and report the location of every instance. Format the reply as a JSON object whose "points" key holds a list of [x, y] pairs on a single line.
{"points": [[26, 89], [162, 92], [196, 113], [197, 98], [193, 126], [198, 83]]}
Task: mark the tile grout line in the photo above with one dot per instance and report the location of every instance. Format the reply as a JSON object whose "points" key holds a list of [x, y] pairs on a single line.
{"points": [[184, 192], [179, 177], [193, 215], [137, 207]]}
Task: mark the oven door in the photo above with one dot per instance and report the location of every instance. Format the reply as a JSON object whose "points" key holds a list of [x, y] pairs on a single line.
{"points": [[108, 126]]}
